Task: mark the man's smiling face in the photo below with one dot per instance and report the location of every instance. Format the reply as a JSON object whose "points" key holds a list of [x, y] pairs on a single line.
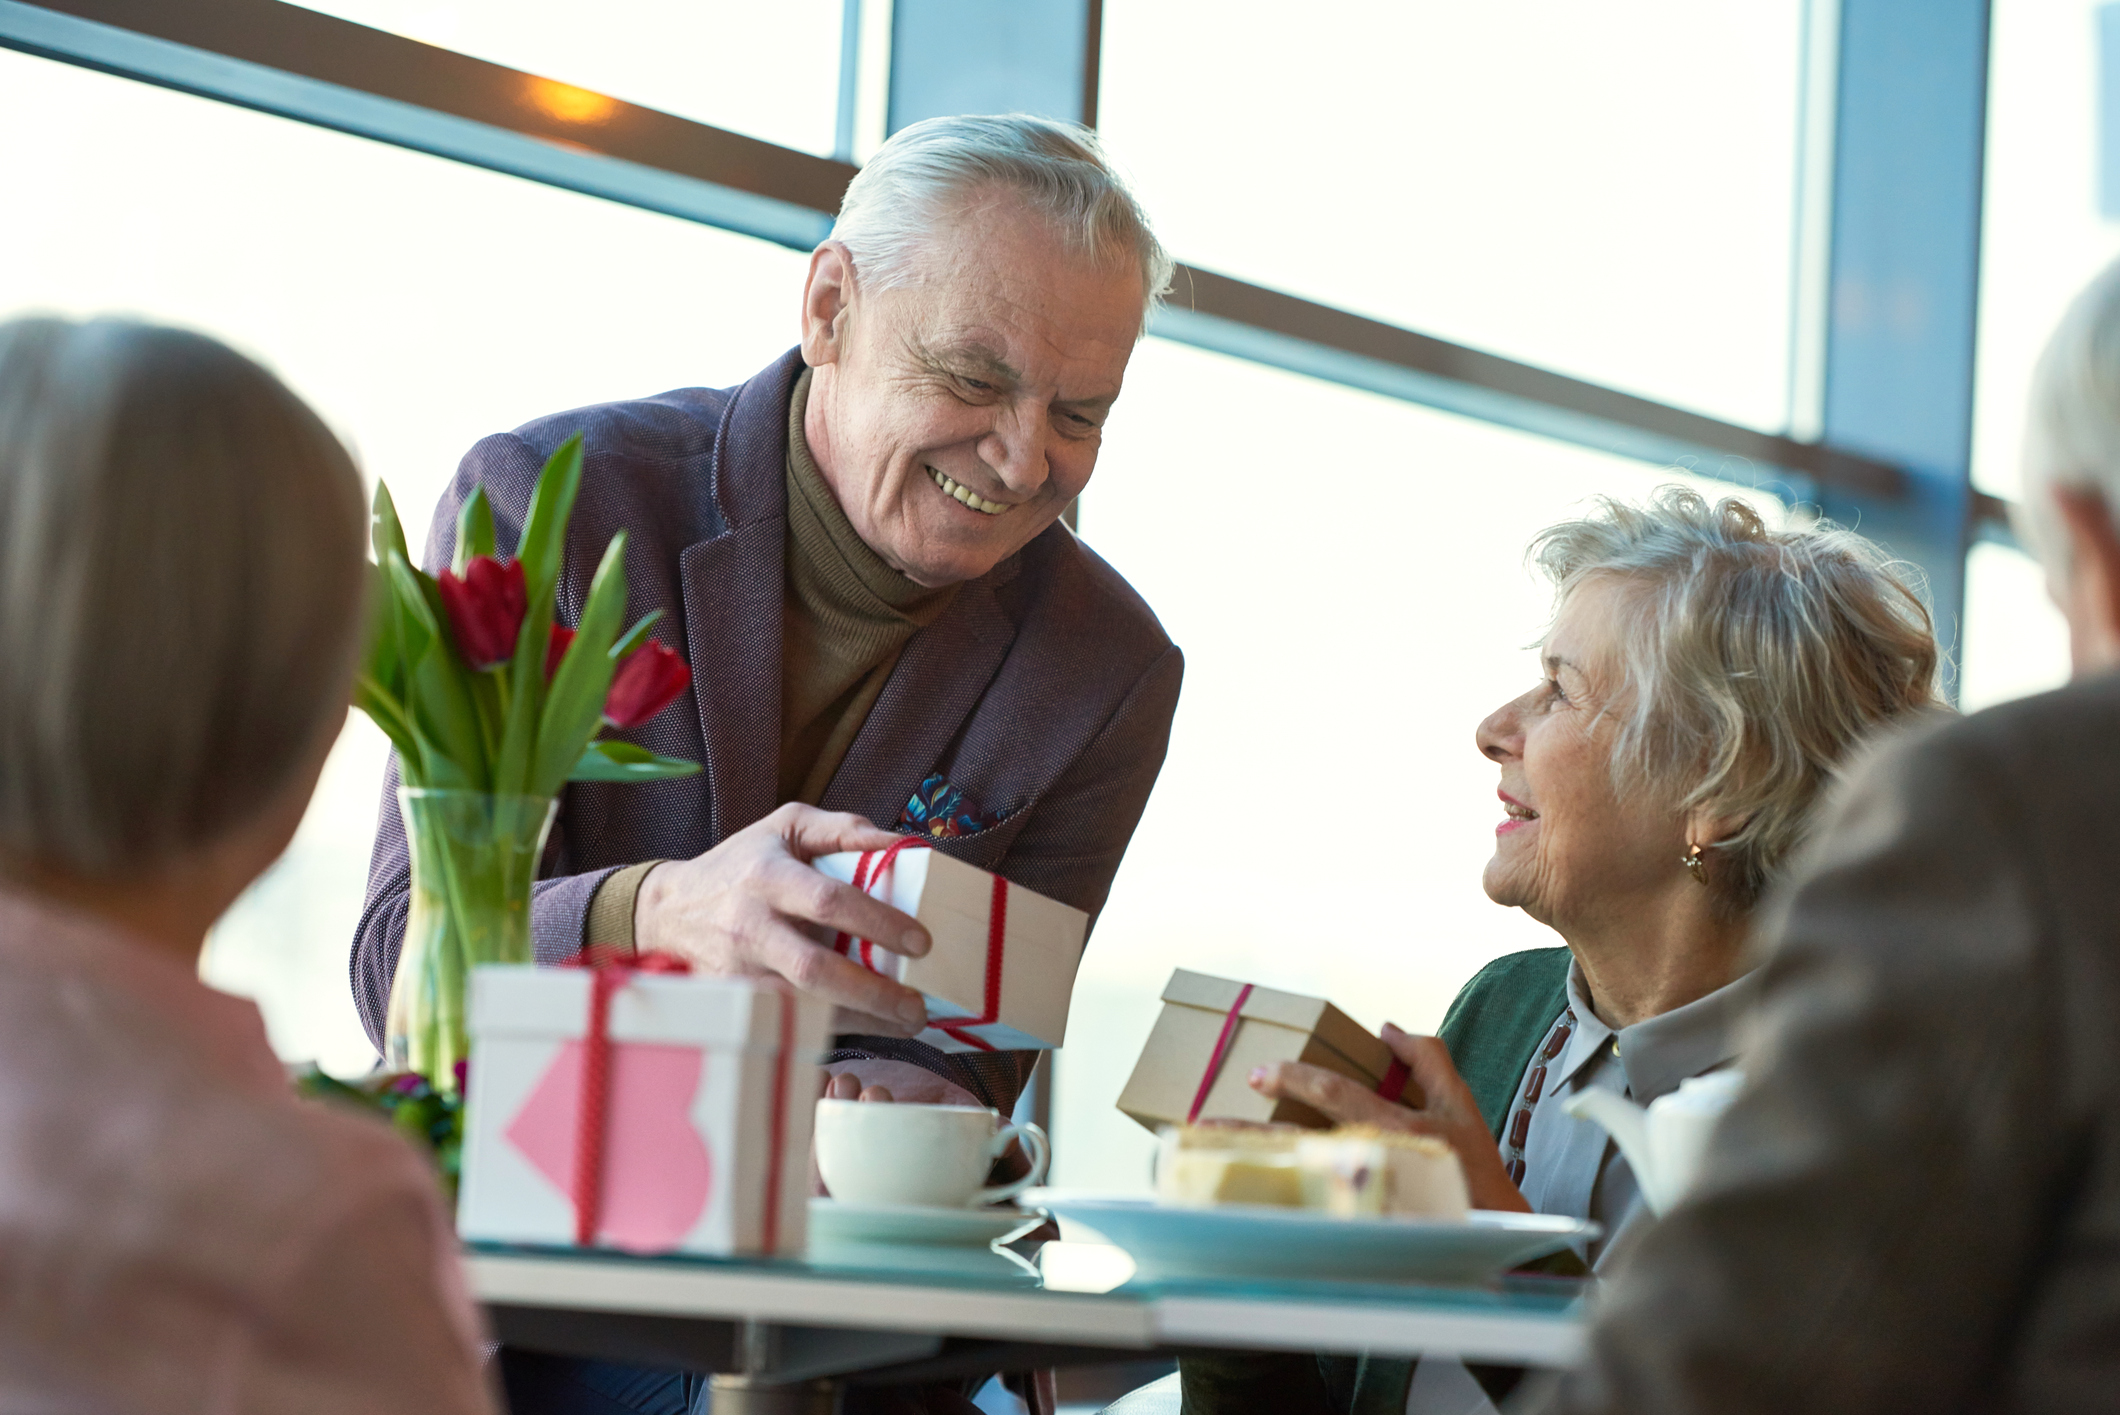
{"points": [[956, 417]]}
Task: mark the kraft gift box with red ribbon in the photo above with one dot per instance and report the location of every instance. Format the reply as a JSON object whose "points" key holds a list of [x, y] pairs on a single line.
{"points": [[1003, 966], [614, 1106], [1213, 1032]]}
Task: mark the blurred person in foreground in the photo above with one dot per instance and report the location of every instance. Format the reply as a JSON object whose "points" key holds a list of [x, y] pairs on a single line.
{"points": [[181, 587], [1913, 1203], [1705, 677]]}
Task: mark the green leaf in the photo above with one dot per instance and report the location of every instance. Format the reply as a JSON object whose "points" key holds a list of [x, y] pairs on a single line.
{"points": [[542, 552], [474, 530], [575, 703], [437, 688], [443, 773], [385, 532], [610, 760], [545, 529], [379, 653], [635, 636], [388, 713]]}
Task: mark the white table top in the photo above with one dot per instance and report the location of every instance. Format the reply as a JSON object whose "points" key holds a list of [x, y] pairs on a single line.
{"points": [[1533, 1328]]}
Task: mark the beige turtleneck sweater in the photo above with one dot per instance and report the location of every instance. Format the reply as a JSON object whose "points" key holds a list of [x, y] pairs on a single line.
{"points": [[845, 617]]}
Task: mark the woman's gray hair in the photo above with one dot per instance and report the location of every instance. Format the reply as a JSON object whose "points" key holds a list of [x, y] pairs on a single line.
{"points": [[181, 585], [929, 170], [2072, 433], [1756, 661]]}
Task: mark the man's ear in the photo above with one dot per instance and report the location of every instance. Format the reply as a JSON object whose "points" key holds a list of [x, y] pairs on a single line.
{"points": [[827, 300], [2093, 591]]}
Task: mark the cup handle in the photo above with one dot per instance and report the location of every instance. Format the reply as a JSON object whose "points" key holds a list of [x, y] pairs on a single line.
{"points": [[1041, 1151]]}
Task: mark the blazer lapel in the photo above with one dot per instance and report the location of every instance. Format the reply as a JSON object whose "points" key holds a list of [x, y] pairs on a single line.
{"points": [[732, 630], [938, 681], [732, 589]]}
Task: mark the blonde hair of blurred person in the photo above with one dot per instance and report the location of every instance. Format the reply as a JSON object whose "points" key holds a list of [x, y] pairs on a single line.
{"points": [[181, 588]]}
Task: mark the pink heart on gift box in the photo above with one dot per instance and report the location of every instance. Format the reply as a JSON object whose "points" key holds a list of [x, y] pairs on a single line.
{"points": [[657, 1173]]}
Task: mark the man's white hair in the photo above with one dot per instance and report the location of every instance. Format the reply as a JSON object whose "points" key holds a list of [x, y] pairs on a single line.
{"points": [[2072, 433], [929, 171]]}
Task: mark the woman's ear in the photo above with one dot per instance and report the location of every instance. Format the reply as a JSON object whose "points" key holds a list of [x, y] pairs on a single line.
{"points": [[827, 300], [1709, 828]]}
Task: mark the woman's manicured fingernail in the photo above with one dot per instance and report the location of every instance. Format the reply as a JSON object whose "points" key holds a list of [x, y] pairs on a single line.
{"points": [[1258, 1075], [914, 944]]}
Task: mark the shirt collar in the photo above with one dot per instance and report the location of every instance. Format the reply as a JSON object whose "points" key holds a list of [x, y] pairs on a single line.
{"points": [[1663, 1050]]}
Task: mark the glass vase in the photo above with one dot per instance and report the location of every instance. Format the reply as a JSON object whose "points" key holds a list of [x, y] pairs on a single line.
{"points": [[474, 859]]}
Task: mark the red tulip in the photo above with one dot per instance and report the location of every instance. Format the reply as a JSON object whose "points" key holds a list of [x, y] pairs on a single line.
{"points": [[556, 649], [485, 609], [648, 680]]}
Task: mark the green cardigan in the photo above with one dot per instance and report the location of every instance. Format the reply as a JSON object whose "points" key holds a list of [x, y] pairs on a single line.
{"points": [[1498, 1020], [1493, 1026]]}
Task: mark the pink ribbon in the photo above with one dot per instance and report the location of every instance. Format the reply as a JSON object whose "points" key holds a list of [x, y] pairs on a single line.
{"points": [[1214, 1062], [868, 878]]}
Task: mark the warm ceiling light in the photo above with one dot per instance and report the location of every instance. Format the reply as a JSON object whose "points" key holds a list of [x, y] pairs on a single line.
{"points": [[570, 104]]}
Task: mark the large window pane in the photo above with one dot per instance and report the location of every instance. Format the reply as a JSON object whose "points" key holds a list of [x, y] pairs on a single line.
{"points": [[1346, 576], [418, 303], [771, 70], [2044, 235], [1606, 189], [2016, 642]]}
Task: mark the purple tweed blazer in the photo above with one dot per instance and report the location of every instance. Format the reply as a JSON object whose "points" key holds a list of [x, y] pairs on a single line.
{"points": [[1044, 692]]}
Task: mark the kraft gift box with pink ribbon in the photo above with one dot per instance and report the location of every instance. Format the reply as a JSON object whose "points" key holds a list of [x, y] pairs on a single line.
{"points": [[656, 1112], [1003, 966], [1212, 1032]]}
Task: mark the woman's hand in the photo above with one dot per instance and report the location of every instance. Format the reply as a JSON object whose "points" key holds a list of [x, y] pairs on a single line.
{"points": [[1449, 1113], [901, 1081]]}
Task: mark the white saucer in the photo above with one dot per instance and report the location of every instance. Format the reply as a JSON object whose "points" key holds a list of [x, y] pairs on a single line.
{"points": [[834, 1223], [1247, 1240]]}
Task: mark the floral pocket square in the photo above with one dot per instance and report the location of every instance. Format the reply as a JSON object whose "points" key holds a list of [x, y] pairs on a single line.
{"points": [[940, 811]]}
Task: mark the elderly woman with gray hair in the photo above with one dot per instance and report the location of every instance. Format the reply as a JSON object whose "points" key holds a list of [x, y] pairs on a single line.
{"points": [[181, 581], [1705, 677], [1912, 1204]]}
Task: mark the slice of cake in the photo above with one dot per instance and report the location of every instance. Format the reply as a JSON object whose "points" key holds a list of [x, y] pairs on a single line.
{"points": [[1201, 1166], [1359, 1171]]}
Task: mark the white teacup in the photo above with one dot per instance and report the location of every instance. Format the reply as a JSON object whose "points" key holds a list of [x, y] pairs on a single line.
{"points": [[926, 1156]]}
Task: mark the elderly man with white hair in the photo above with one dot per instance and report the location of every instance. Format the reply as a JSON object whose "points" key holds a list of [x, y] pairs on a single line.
{"points": [[1913, 1205], [861, 553]]}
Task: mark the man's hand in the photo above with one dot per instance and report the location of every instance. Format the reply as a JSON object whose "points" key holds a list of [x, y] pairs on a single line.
{"points": [[1450, 1113], [749, 907]]}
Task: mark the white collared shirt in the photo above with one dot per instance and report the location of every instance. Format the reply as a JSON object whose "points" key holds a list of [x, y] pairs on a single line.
{"points": [[1572, 1166]]}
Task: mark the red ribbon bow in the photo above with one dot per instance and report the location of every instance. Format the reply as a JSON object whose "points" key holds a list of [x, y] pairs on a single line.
{"points": [[869, 880]]}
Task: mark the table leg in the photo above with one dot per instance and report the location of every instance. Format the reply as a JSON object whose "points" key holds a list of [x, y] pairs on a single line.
{"points": [[755, 1390]]}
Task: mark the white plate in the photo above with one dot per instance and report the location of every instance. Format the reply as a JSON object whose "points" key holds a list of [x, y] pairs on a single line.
{"points": [[833, 1224], [1250, 1240]]}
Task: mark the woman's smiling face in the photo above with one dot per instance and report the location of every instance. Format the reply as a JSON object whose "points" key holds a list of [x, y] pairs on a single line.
{"points": [[1571, 849]]}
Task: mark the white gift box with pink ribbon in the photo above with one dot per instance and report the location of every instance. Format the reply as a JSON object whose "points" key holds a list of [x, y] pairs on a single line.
{"points": [[1002, 970], [655, 1112]]}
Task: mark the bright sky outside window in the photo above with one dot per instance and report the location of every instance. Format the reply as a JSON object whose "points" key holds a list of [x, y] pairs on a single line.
{"points": [[1607, 189]]}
